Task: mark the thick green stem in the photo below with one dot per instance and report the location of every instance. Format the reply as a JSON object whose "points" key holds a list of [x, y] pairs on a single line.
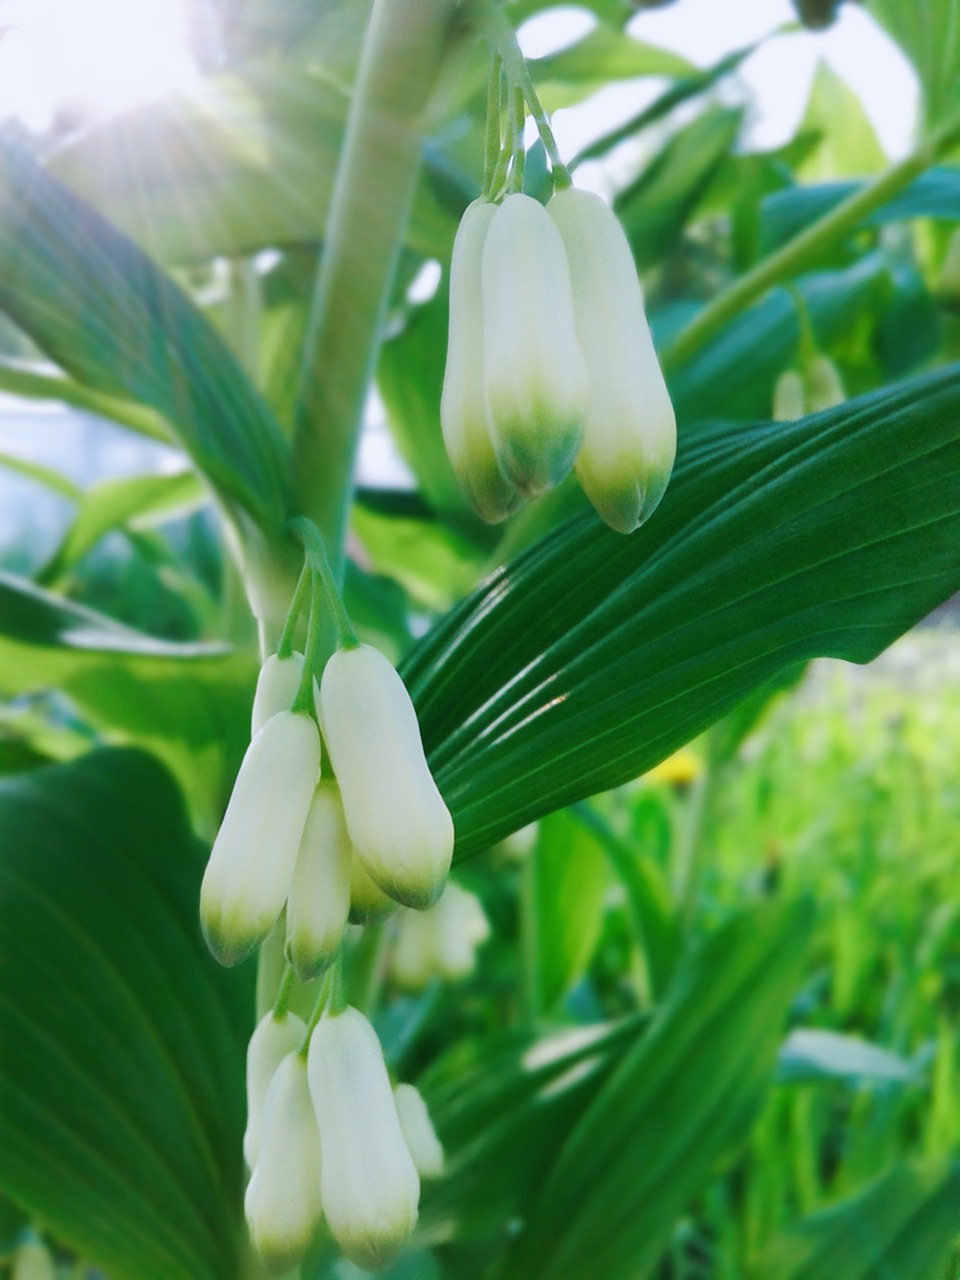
{"points": [[401, 60], [805, 248]]}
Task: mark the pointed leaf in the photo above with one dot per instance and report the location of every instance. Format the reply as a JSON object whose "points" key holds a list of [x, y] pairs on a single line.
{"points": [[593, 656], [122, 1095]]}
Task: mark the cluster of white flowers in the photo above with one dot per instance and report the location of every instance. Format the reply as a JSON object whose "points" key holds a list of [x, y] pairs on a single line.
{"points": [[327, 1136], [328, 1139], [550, 362], [379, 831]]}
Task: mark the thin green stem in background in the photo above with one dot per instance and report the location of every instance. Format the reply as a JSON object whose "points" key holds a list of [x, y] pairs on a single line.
{"points": [[285, 647], [493, 136], [307, 534], [805, 248], [284, 991]]}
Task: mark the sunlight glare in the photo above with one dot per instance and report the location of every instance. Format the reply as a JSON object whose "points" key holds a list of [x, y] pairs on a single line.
{"points": [[100, 57]]}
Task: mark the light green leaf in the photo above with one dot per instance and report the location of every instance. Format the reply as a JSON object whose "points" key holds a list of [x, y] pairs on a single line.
{"points": [[811, 1053], [929, 34], [137, 501], [848, 142], [122, 1043], [36, 382], [593, 656], [900, 1227], [567, 878], [602, 56], [99, 307], [655, 207], [679, 1099]]}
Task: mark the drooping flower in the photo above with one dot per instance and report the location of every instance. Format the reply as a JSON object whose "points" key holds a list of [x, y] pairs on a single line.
{"points": [[32, 1260], [273, 1038], [534, 372], [283, 1200], [789, 397], [441, 942], [400, 827], [368, 1181], [630, 433], [319, 900], [464, 413], [277, 687], [368, 903], [251, 864], [824, 388], [418, 1130]]}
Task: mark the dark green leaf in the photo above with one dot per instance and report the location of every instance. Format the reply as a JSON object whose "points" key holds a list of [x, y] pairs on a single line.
{"points": [[122, 1090], [99, 307], [594, 656], [901, 1227], [681, 1097]]}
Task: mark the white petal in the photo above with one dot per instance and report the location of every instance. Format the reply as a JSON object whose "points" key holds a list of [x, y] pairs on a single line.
{"points": [[398, 822], [464, 415], [283, 1200], [277, 687], [534, 370], [789, 397], [270, 1043], [413, 962], [368, 903], [824, 388], [253, 857], [369, 1184], [319, 900], [630, 431], [419, 1132]]}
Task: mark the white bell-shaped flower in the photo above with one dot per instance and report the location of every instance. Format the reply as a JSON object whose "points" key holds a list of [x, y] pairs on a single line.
{"points": [[630, 430], [273, 1038], [464, 415], [32, 1260], [824, 388], [398, 822], [418, 1130], [319, 900], [277, 687], [283, 1200], [441, 942], [251, 864], [368, 1181], [534, 372]]}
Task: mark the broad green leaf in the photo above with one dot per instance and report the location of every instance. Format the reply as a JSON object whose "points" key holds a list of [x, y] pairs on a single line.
{"points": [[733, 377], [593, 656], [122, 1044], [245, 161], [676, 1103], [99, 307], [655, 207], [190, 703], [602, 56], [935, 194], [502, 1109], [929, 34], [900, 1227], [848, 143], [46, 476], [809, 1053], [137, 501], [566, 880]]}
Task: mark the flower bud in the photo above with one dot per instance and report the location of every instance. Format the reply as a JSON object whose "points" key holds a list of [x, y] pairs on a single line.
{"points": [[368, 1182], [32, 1260], [398, 822], [418, 1130], [270, 1043], [319, 900], [283, 1200], [464, 415], [251, 865], [368, 903], [789, 397], [630, 430], [534, 371], [824, 388], [277, 687]]}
